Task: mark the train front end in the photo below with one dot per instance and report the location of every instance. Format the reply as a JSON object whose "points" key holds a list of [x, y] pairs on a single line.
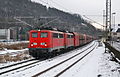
{"points": [[39, 43]]}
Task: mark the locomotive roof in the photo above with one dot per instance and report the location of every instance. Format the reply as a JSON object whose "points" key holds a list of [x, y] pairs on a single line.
{"points": [[55, 31], [46, 31], [71, 33]]}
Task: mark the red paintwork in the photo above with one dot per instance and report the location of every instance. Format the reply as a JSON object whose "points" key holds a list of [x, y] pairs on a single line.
{"points": [[69, 42], [81, 37], [39, 40], [58, 43], [49, 41], [76, 39]]}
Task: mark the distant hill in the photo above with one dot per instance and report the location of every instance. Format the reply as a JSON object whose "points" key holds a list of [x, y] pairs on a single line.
{"points": [[25, 8]]}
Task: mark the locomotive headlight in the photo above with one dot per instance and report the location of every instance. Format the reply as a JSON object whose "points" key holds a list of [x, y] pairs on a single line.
{"points": [[45, 44], [31, 44]]}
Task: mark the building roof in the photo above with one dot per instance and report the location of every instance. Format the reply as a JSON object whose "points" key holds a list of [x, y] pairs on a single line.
{"points": [[118, 30]]}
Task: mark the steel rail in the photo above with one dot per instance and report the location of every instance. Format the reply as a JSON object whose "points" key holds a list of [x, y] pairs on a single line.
{"points": [[16, 64], [60, 62], [73, 63], [18, 67]]}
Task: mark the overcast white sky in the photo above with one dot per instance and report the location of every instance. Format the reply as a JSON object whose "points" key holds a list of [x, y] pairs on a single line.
{"points": [[90, 8]]}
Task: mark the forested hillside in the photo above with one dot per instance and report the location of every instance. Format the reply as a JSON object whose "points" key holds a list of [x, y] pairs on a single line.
{"points": [[37, 15]]}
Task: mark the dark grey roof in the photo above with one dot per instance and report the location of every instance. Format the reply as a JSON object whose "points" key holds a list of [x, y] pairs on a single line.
{"points": [[118, 30]]}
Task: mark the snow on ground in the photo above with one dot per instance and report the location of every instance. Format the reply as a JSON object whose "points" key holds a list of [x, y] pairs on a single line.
{"points": [[19, 55], [16, 51], [96, 64], [11, 63], [16, 42], [12, 51], [108, 68], [33, 69]]}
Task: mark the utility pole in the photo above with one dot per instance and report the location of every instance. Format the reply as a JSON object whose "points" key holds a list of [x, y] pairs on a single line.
{"points": [[108, 20], [113, 23]]}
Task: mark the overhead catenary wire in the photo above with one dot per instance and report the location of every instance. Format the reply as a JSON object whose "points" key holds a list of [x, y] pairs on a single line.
{"points": [[48, 5], [61, 6], [93, 21], [50, 21], [22, 21], [82, 15], [10, 22]]}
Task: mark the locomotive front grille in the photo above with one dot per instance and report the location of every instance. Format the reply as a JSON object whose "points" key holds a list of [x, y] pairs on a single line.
{"points": [[40, 50]]}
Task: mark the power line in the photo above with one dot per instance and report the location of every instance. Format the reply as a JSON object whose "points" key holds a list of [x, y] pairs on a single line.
{"points": [[50, 21], [61, 6], [93, 21], [54, 7], [95, 15], [83, 15], [19, 19], [47, 3], [10, 22], [22, 21]]}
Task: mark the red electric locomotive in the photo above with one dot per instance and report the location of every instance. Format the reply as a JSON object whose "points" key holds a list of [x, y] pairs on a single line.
{"points": [[44, 43]]}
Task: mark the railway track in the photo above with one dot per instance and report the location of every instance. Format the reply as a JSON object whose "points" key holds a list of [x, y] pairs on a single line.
{"points": [[15, 69], [81, 55], [16, 66]]}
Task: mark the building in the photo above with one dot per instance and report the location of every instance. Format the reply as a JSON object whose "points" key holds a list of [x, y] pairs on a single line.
{"points": [[7, 34], [4, 34], [118, 35]]}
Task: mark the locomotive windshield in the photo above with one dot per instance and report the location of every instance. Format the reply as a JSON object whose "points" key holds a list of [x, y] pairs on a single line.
{"points": [[34, 34], [43, 35]]}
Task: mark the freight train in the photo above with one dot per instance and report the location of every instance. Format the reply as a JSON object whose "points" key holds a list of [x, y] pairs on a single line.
{"points": [[43, 43]]}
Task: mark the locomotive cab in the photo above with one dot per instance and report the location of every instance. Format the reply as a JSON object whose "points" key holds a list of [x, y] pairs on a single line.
{"points": [[39, 42], [39, 39]]}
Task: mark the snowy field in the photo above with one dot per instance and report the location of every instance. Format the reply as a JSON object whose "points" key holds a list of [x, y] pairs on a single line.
{"points": [[96, 64], [16, 42], [13, 51]]}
